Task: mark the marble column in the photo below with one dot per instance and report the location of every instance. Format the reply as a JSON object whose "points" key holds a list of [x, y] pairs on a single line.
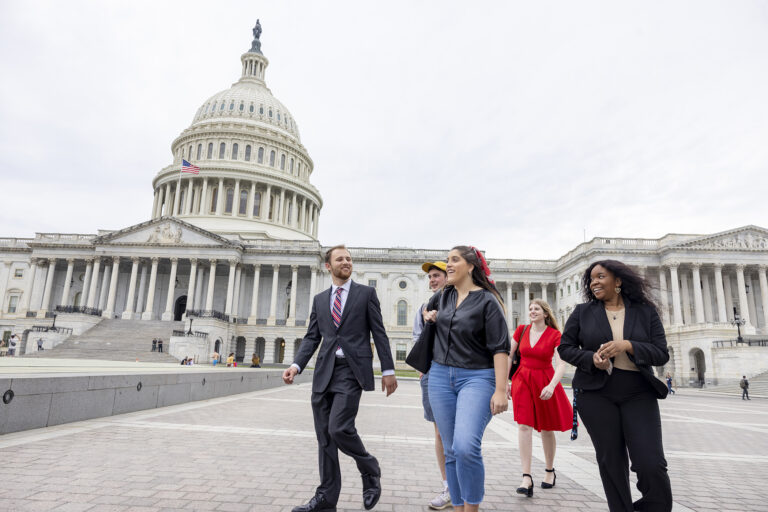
{"points": [[128, 312], [94, 283], [67, 282], [544, 292], [742, 291], [168, 313], [526, 300], [763, 278], [166, 201], [751, 301], [674, 282], [142, 289], [110, 311], [685, 295], [149, 309], [220, 197], [251, 199], [722, 315], [315, 217], [27, 297], [510, 319], [728, 289], [707, 291], [312, 286], [154, 204], [294, 286], [48, 287], [281, 215], [267, 203], [106, 278], [199, 285], [230, 288], [204, 206], [211, 285], [86, 281], [236, 199], [238, 288], [192, 283], [698, 302], [255, 295], [273, 296], [188, 200], [663, 296], [294, 220]]}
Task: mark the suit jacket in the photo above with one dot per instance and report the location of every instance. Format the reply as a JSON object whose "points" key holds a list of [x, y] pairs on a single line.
{"points": [[360, 319], [587, 328]]}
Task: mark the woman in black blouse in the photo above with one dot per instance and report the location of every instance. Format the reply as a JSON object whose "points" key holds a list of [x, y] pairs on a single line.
{"points": [[613, 340], [467, 380]]}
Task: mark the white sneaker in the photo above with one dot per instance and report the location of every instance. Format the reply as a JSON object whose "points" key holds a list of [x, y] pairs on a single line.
{"points": [[441, 501]]}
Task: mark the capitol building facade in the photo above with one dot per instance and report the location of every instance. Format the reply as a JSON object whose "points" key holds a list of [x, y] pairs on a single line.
{"points": [[234, 249]]}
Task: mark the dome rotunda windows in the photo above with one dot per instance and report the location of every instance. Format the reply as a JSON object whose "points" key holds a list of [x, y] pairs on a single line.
{"points": [[261, 110], [260, 156], [272, 158], [248, 153], [199, 151], [242, 106], [270, 112], [229, 200], [251, 109], [222, 106], [282, 162], [235, 149], [210, 150], [242, 207], [232, 105], [257, 204], [222, 150]]}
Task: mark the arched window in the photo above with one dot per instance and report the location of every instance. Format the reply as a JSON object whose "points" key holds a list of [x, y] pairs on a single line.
{"points": [[291, 166], [232, 105], [270, 112], [222, 106], [235, 148], [189, 153], [278, 115], [402, 313], [214, 198], [78, 297], [257, 204], [199, 151], [210, 150], [243, 202], [282, 162], [242, 106], [248, 153], [272, 158], [182, 152], [261, 109], [261, 156], [230, 200], [213, 108], [251, 109]]}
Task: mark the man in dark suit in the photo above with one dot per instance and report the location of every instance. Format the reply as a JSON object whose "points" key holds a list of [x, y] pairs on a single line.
{"points": [[343, 317]]}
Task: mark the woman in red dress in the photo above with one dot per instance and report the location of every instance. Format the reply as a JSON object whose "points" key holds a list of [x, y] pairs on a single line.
{"points": [[538, 399]]}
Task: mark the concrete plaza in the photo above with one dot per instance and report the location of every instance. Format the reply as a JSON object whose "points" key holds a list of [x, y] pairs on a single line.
{"points": [[257, 451]]}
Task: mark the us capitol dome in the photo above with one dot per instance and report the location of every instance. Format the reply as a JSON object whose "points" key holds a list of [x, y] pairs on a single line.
{"points": [[254, 178]]}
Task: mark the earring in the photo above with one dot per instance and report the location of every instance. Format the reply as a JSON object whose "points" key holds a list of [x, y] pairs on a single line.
{"points": [[618, 290]]}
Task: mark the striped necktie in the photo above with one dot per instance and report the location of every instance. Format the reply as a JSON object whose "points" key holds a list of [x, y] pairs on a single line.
{"points": [[336, 311]]}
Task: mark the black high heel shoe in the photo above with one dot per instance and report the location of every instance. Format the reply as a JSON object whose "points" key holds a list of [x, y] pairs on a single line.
{"points": [[545, 485], [528, 491]]}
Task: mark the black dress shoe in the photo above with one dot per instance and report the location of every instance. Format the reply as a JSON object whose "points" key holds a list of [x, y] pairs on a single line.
{"points": [[371, 491], [316, 504]]}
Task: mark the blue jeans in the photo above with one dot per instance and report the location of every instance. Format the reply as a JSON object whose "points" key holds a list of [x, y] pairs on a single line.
{"points": [[461, 403]]}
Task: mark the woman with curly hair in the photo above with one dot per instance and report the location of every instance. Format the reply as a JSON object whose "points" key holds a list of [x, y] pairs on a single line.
{"points": [[614, 340]]}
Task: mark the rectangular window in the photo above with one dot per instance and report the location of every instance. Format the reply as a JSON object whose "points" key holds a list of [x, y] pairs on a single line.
{"points": [[257, 204], [222, 150], [199, 150], [372, 283], [514, 295], [400, 351], [569, 289], [18, 273], [248, 153], [229, 200], [210, 150], [13, 303]]}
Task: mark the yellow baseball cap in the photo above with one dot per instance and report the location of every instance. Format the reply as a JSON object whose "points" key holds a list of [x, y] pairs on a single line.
{"points": [[428, 265]]}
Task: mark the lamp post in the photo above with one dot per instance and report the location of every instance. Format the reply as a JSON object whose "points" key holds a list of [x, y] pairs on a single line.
{"points": [[738, 322], [189, 332], [53, 327]]}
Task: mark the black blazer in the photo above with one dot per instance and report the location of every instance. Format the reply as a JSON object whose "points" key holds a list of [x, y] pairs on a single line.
{"points": [[360, 319], [587, 328]]}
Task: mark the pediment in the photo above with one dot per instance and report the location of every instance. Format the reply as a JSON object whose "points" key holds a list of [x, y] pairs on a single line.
{"points": [[165, 231], [745, 238]]}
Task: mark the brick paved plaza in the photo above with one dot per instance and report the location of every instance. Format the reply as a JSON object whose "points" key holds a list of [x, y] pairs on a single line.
{"points": [[257, 451]]}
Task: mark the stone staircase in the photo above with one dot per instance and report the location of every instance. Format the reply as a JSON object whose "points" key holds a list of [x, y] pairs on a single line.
{"points": [[117, 340], [758, 387]]}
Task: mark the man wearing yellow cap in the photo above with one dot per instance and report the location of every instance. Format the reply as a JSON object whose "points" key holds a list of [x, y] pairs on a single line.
{"points": [[436, 272]]}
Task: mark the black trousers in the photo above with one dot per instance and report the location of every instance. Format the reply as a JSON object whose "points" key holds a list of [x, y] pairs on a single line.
{"points": [[623, 417], [744, 393], [334, 411]]}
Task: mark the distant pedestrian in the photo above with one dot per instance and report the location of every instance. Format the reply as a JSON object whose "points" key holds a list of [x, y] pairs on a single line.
{"points": [[216, 357], [669, 384], [154, 345], [159, 344], [231, 360], [744, 385], [255, 361], [184, 362], [12, 345], [40, 344]]}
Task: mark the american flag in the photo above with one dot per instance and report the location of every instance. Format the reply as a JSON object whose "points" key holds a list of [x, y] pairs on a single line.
{"points": [[188, 167]]}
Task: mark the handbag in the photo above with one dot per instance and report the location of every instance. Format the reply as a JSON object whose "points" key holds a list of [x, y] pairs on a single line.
{"points": [[420, 356], [516, 357]]}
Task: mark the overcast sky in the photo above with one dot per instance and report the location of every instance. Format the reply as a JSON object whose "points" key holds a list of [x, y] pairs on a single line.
{"points": [[519, 127]]}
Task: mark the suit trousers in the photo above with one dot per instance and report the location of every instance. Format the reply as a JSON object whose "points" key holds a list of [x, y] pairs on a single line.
{"points": [[624, 417], [334, 411]]}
